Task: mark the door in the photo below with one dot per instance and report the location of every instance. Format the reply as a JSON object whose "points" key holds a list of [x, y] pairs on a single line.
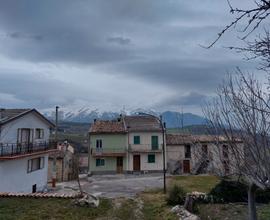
{"points": [[25, 136], [186, 166], [136, 162], [119, 164]]}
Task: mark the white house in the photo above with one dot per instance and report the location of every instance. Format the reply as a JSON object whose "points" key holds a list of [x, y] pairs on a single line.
{"points": [[24, 149], [145, 141]]}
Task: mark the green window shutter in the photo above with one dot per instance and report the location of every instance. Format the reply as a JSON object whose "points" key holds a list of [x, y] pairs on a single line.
{"points": [[137, 140], [154, 142], [151, 158], [100, 162]]}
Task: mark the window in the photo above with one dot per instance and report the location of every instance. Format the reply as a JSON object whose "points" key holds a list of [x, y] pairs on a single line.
{"points": [[187, 151], [100, 162], [39, 133], [35, 164], [225, 151], [98, 143], [226, 167], [137, 140], [154, 142], [204, 150], [151, 158]]}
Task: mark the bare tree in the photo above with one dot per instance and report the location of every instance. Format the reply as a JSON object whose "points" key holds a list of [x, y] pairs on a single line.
{"points": [[241, 110], [252, 18]]}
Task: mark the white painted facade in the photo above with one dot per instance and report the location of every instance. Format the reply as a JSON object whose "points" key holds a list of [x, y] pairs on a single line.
{"points": [[144, 149], [8, 132], [15, 178], [14, 175]]}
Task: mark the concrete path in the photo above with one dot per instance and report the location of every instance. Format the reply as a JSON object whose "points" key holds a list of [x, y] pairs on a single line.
{"points": [[113, 186]]}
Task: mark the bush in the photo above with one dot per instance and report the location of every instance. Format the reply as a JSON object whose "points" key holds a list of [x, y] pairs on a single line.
{"points": [[263, 196], [176, 195], [229, 191], [232, 191]]}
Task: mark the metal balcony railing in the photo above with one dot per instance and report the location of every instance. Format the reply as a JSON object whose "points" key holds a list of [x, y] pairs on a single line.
{"points": [[144, 147], [16, 149], [107, 151]]}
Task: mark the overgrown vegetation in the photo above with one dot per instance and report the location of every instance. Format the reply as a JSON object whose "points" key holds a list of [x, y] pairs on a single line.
{"points": [[176, 195], [233, 191]]}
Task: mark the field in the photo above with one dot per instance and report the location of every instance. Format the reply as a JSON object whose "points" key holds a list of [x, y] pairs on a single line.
{"points": [[149, 205]]}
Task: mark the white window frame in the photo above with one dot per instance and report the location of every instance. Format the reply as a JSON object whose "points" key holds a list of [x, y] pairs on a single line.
{"points": [[30, 168]]}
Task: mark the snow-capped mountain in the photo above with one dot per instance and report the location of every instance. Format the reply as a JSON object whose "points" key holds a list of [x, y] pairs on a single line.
{"points": [[87, 115]]}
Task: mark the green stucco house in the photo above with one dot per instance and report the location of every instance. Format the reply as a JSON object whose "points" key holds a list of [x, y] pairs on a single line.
{"points": [[129, 144], [108, 147]]}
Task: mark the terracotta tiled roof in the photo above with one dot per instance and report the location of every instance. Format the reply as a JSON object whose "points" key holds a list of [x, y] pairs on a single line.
{"points": [[179, 139], [142, 123], [107, 127]]}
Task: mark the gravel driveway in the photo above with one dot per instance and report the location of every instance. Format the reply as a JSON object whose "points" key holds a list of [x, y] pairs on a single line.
{"points": [[113, 186]]}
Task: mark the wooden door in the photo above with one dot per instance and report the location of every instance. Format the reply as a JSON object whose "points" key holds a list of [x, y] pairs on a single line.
{"points": [[136, 163], [186, 166], [119, 164]]}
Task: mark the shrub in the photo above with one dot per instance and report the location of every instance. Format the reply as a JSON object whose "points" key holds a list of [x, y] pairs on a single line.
{"points": [[232, 191], [176, 195], [229, 191], [263, 196]]}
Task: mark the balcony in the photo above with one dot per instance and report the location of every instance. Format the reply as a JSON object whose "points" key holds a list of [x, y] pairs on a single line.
{"points": [[145, 148], [104, 152], [12, 151]]}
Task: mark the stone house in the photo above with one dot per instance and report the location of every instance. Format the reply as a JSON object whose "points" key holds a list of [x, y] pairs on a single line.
{"points": [[66, 167], [195, 154]]}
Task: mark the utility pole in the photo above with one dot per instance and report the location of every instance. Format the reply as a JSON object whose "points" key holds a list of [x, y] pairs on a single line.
{"points": [[163, 126], [56, 142]]}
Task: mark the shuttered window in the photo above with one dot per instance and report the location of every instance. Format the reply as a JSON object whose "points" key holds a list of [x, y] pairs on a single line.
{"points": [[100, 162], [154, 142], [137, 139], [151, 158]]}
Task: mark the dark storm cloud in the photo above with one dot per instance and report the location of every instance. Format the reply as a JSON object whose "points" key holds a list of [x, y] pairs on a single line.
{"points": [[33, 90], [192, 98], [77, 30], [154, 41]]}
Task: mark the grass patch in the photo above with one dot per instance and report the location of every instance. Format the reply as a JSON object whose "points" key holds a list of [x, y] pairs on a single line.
{"points": [[195, 183], [155, 206], [230, 211], [36, 209], [125, 209]]}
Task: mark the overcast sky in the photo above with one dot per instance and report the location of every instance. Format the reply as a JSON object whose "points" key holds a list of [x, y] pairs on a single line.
{"points": [[110, 54]]}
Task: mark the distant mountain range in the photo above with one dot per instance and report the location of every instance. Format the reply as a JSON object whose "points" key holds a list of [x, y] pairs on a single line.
{"points": [[172, 119]]}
